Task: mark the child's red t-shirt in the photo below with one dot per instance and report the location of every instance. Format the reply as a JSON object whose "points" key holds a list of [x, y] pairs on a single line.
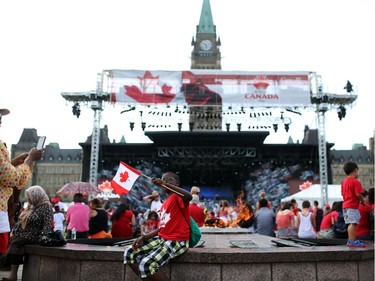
{"points": [[174, 219], [350, 187]]}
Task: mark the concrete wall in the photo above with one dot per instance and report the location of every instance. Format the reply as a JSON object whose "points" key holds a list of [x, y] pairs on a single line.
{"points": [[79, 262]]}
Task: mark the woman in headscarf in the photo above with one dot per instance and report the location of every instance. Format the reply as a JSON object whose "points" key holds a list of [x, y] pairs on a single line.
{"points": [[34, 222]]}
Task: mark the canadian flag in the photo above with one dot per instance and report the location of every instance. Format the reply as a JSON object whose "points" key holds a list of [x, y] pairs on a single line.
{"points": [[124, 179]]}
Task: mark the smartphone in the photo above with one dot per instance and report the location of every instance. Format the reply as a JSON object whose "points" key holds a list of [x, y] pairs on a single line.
{"points": [[40, 143]]}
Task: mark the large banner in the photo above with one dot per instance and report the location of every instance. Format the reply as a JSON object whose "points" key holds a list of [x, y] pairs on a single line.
{"points": [[209, 87]]}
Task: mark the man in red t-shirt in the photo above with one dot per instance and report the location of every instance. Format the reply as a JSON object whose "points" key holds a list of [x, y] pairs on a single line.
{"points": [[149, 252], [351, 191]]}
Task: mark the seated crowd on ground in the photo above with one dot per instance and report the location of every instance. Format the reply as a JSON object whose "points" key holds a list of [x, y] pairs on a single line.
{"points": [[118, 219]]}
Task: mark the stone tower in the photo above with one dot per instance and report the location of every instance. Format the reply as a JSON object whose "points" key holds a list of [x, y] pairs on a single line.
{"points": [[206, 55]]}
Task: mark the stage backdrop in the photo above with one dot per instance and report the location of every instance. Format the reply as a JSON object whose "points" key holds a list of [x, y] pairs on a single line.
{"points": [[210, 87]]}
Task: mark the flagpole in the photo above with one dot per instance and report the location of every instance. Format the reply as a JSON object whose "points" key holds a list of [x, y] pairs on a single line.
{"points": [[163, 185]]}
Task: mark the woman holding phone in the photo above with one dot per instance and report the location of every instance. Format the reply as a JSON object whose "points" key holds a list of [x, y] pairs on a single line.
{"points": [[13, 173]]}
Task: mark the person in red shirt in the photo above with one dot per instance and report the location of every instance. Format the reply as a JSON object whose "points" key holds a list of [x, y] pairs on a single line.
{"points": [[364, 226], [197, 212], [151, 224], [351, 191], [329, 219], [123, 221], [151, 251], [296, 210]]}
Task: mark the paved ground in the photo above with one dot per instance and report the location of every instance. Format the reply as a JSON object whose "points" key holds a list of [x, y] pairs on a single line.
{"points": [[6, 273]]}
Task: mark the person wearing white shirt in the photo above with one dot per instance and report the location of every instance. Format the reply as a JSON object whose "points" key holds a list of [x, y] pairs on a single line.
{"points": [[154, 200], [58, 219]]}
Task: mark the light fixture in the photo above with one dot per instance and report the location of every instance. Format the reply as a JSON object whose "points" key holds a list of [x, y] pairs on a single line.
{"points": [[179, 125], [286, 126], [275, 127], [239, 127], [143, 125], [341, 112], [127, 110], [228, 126], [131, 126], [348, 87], [76, 110], [191, 126]]}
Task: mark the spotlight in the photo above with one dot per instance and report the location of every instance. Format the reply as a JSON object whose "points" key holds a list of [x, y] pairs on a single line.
{"points": [[275, 127], [349, 87], [131, 126], [341, 112], [286, 126], [76, 110], [191, 126], [143, 125], [239, 127], [228, 126], [179, 125]]}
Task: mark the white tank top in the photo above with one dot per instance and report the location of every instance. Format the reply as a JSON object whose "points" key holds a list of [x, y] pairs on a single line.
{"points": [[306, 229]]}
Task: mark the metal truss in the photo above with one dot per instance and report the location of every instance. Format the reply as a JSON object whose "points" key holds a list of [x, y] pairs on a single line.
{"points": [[206, 152]]}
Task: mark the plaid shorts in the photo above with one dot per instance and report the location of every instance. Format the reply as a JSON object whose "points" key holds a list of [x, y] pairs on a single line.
{"points": [[154, 253], [351, 215]]}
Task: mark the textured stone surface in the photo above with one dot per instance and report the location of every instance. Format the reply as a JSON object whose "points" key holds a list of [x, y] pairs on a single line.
{"points": [[366, 270], [245, 272], [71, 269], [48, 268], [288, 271], [328, 271], [101, 270], [195, 272], [31, 268], [217, 260]]}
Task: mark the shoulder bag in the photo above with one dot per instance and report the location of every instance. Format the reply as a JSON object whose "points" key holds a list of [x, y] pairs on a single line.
{"points": [[195, 232], [53, 239]]}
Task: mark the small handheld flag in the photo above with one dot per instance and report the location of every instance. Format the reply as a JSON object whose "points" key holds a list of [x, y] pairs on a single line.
{"points": [[124, 179]]}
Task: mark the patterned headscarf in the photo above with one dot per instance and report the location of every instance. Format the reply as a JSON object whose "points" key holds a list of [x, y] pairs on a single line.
{"points": [[35, 196]]}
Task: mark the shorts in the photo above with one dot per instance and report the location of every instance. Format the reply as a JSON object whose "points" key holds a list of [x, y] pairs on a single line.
{"points": [[154, 253], [327, 233], [286, 232], [351, 215]]}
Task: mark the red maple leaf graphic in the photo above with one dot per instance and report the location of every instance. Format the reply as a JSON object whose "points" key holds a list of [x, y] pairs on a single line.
{"points": [[124, 176], [150, 90], [105, 187], [305, 185]]}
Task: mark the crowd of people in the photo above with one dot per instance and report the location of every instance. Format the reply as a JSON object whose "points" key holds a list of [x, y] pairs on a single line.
{"points": [[162, 232]]}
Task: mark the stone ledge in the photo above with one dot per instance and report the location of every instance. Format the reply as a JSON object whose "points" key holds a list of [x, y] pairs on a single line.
{"points": [[217, 261], [217, 249]]}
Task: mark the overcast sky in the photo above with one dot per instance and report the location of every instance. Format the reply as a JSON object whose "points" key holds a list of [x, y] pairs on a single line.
{"points": [[48, 48]]}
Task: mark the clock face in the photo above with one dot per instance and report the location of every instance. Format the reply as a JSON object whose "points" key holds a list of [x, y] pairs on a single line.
{"points": [[206, 45]]}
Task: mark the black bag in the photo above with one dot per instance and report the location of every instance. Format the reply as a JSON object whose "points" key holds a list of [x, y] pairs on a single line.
{"points": [[53, 239], [340, 226]]}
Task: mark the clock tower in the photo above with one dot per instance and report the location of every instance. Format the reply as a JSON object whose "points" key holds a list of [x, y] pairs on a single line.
{"points": [[206, 55]]}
